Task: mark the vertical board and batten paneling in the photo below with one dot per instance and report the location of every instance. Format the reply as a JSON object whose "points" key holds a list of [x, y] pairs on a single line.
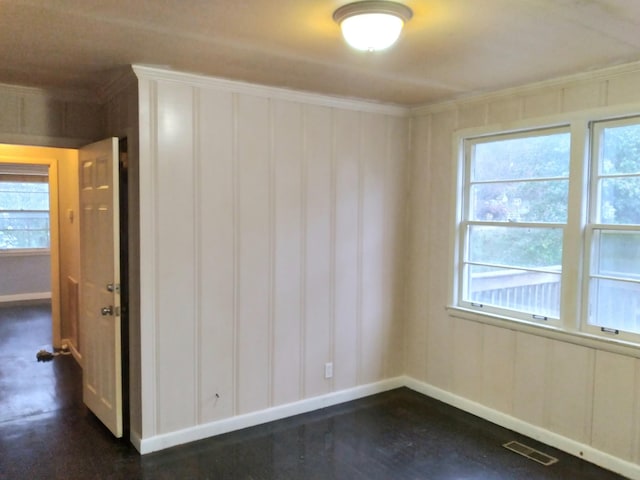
{"points": [[216, 248], [440, 366], [253, 152], [317, 326], [268, 248], [577, 392], [175, 232], [615, 416], [418, 299], [49, 117], [498, 369], [532, 363], [570, 390], [395, 234], [346, 247], [373, 323], [288, 143]]}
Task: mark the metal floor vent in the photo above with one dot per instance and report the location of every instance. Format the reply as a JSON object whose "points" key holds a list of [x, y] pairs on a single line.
{"points": [[530, 453]]}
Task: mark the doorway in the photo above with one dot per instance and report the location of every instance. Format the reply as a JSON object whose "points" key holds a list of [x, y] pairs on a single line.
{"points": [[60, 317]]}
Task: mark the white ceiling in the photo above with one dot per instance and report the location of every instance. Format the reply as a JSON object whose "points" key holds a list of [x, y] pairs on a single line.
{"points": [[449, 49]]}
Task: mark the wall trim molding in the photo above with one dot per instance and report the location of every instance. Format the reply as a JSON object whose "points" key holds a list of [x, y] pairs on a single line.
{"points": [[25, 297], [199, 432], [75, 95], [154, 73], [573, 447], [42, 141], [122, 80], [524, 89], [218, 427]]}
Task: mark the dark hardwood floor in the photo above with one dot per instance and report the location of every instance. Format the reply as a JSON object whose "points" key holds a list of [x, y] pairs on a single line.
{"points": [[47, 433]]}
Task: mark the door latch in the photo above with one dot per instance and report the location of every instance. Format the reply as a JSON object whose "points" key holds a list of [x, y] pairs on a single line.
{"points": [[107, 310], [113, 287]]}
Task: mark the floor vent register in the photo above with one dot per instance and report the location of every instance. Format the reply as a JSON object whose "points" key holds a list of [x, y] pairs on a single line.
{"points": [[530, 453]]}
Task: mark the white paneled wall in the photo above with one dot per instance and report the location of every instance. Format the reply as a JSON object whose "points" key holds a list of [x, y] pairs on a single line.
{"points": [[272, 242], [580, 393], [56, 118]]}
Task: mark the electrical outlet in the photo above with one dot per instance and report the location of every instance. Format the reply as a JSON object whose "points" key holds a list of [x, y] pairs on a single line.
{"points": [[328, 370]]}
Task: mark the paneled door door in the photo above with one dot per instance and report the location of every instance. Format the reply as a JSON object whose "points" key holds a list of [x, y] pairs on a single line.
{"points": [[100, 282]]}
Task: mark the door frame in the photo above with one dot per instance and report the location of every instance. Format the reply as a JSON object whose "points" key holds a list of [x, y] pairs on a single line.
{"points": [[34, 155]]}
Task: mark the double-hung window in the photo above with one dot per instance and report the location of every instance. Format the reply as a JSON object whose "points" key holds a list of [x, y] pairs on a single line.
{"points": [[515, 212], [24, 207], [612, 292], [548, 226]]}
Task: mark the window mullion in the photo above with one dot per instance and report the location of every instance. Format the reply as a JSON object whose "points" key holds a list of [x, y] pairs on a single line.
{"points": [[573, 250]]}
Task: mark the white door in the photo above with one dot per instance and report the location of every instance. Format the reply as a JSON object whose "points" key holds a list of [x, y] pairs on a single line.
{"points": [[100, 282]]}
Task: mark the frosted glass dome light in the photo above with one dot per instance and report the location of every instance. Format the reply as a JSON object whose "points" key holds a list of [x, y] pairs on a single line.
{"points": [[372, 25]]}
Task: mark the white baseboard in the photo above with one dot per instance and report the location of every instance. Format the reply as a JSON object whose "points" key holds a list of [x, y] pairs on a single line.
{"points": [[25, 297], [199, 432], [580, 450], [136, 440]]}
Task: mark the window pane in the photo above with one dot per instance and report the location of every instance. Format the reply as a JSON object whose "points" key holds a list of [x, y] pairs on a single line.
{"points": [[529, 292], [620, 150], [526, 157], [24, 230], [543, 201], [615, 304], [617, 254], [516, 246], [619, 201], [24, 196], [24, 215]]}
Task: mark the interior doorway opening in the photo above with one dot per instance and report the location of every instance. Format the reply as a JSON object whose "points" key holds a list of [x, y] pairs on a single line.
{"points": [[60, 314]]}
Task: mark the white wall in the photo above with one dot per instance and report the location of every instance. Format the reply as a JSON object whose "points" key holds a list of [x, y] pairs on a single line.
{"points": [[581, 393], [49, 118], [272, 234], [25, 277]]}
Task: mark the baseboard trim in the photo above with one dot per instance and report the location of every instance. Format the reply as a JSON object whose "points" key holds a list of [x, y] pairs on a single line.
{"points": [[560, 442], [25, 297], [199, 432], [136, 440]]}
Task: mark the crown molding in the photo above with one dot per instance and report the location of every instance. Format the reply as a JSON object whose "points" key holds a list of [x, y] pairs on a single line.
{"points": [[155, 73], [521, 90], [75, 95]]}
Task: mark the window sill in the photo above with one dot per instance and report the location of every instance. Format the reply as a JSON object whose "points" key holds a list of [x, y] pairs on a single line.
{"points": [[25, 252], [577, 338]]}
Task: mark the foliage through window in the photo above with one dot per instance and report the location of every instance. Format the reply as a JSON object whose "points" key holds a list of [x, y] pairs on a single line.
{"points": [[551, 234], [24, 215], [517, 208]]}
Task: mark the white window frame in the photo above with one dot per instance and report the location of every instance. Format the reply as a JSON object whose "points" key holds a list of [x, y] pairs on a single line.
{"points": [[572, 326], [597, 127], [468, 145], [26, 251]]}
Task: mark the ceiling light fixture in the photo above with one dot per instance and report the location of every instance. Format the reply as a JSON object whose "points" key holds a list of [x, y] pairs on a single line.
{"points": [[372, 25]]}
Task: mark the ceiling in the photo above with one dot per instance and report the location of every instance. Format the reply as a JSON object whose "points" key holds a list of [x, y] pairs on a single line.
{"points": [[450, 49]]}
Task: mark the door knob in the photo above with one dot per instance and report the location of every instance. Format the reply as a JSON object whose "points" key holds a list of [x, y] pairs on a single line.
{"points": [[107, 310]]}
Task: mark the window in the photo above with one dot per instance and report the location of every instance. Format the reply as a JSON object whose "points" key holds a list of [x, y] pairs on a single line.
{"points": [[613, 234], [24, 208], [548, 231]]}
